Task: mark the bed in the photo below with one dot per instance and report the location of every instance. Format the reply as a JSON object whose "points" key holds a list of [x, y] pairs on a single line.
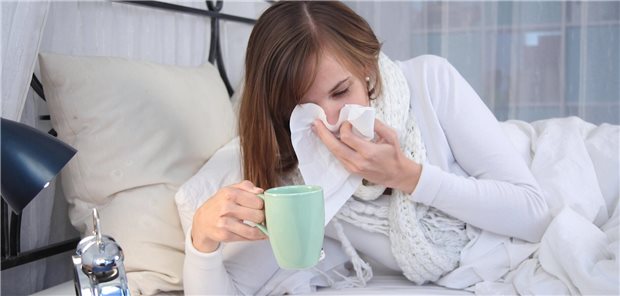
{"points": [[137, 146]]}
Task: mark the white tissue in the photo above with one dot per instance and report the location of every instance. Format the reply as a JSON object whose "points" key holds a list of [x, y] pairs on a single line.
{"points": [[317, 164]]}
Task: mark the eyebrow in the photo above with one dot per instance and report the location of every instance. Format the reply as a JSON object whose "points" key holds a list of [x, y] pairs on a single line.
{"points": [[339, 83]]}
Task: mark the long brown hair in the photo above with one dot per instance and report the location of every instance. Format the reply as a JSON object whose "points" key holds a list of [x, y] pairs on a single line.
{"points": [[282, 55]]}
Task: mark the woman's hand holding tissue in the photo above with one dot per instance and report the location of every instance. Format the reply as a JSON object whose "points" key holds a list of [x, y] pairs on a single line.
{"points": [[221, 217], [381, 162]]}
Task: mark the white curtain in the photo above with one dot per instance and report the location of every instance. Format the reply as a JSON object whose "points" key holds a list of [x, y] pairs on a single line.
{"points": [[22, 24], [527, 60], [22, 27]]}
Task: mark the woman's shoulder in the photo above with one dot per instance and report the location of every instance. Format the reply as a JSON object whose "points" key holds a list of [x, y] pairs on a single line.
{"points": [[433, 71], [427, 62], [224, 165], [430, 77], [222, 169]]}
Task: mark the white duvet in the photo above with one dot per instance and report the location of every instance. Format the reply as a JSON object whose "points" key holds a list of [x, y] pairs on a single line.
{"points": [[577, 165]]}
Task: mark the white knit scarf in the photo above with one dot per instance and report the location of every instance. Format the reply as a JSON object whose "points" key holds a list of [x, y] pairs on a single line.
{"points": [[426, 242]]}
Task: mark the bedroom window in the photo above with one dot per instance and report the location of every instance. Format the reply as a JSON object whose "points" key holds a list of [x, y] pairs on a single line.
{"points": [[527, 60]]}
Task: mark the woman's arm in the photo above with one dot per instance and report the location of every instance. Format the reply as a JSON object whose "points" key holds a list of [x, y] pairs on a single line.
{"points": [[501, 195], [238, 268], [220, 268], [204, 273]]}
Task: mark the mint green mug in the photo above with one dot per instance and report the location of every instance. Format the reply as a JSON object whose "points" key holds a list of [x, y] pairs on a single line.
{"points": [[294, 223]]}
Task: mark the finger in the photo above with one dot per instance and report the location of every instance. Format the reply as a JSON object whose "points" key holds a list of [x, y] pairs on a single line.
{"points": [[385, 132], [346, 156], [349, 164], [248, 186], [348, 137], [243, 213], [340, 150], [243, 230], [245, 198]]}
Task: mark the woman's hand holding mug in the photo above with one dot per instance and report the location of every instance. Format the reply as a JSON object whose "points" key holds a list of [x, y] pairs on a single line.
{"points": [[220, 218]]}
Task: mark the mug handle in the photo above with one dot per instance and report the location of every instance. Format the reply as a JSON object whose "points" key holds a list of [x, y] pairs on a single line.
{"points": [[261, 226]]}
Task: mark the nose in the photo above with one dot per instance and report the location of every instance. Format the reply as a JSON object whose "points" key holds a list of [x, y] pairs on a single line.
{"points": [[332, 114]]}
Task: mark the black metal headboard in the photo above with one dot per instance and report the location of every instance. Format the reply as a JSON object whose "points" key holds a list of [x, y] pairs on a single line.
{"points": [[213, 12], [11, 255], [215, 49]]}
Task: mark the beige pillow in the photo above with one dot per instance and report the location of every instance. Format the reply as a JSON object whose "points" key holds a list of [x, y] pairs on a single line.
{"points": [[141, 130]]}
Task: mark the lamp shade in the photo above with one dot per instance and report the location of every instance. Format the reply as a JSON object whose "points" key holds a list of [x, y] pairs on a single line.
{"points": [[30, 160]]}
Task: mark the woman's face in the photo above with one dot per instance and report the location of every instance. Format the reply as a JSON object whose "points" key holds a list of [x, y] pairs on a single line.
{"points": [[333, 87]]}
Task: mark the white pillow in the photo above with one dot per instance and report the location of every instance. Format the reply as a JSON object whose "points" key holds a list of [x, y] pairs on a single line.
{"points": [[141, 130]]}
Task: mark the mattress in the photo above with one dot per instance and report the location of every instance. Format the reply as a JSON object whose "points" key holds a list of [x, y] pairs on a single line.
{"points": [[66, 288]]}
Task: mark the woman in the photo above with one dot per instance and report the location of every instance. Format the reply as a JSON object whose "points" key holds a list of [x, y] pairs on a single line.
{"points": [[450, 172]]}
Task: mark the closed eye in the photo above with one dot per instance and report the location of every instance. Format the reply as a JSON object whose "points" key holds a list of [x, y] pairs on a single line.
{"points": [[341, 93]]}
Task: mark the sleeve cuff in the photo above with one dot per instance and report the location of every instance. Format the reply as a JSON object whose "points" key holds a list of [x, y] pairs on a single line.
{"points": [[428, 185], [204, 260]]}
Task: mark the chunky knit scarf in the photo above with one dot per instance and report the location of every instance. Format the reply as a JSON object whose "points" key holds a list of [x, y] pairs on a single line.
{"points": [[426, 242]]}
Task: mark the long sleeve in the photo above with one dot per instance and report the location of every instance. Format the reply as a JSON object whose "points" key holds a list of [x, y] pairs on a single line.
{"points": [[236, 267], [204, 273], [245, 267], [497, 192]]}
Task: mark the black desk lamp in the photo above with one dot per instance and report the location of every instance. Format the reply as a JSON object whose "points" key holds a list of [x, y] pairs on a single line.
{"points": [[30, 159]]}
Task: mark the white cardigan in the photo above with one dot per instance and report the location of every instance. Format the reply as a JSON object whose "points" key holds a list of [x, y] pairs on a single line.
{"points": [[472, 173]]}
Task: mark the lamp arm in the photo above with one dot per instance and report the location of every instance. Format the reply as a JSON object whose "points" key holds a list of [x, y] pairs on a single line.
{"points": [[15, 234], [5, 229], [11, 235]]}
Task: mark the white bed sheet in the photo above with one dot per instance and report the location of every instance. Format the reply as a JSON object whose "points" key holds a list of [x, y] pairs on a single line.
{"points": [[379, 285], [393, 285], [577, 166]]}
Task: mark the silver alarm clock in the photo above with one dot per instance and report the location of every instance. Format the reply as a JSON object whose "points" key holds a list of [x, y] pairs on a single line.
{"points": [[98, 265]]}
